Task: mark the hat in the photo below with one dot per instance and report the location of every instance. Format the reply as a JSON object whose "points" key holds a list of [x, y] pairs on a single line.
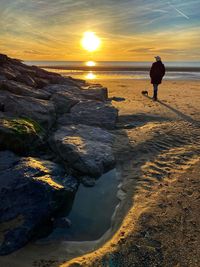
{"points": [[158, 58]]}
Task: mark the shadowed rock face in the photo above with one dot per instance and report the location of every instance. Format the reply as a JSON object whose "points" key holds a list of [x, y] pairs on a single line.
{"points": [[51, 117], [31, 192]]}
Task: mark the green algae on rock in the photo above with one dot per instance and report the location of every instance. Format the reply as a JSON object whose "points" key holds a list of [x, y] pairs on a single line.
{"points": [[20, 134]]}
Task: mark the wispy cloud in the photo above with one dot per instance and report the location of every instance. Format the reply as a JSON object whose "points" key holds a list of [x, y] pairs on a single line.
{"points": [[54, 28]]}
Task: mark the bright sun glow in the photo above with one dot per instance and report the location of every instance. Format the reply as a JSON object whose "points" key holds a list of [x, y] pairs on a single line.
{"points": [[90, 64], [90, 41]]}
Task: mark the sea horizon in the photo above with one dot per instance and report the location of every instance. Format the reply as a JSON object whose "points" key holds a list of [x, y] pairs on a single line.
{"points": [[100, 70], [187, 63]]}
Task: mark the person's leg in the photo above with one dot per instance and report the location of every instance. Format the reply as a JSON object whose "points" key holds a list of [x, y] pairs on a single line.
{"points": [[155, 91]]}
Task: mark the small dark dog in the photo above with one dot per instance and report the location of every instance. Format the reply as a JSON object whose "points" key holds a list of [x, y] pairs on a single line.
{"points": [[145, 93]]}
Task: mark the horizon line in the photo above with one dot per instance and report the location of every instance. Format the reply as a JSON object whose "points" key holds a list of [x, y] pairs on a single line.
{"points": [[51, 60]]}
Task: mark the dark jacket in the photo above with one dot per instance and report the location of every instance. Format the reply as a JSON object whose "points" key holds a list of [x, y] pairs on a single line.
{"points": [[157, 72]]}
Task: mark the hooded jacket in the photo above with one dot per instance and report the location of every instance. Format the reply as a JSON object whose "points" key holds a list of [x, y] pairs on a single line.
{"points": [[157, 72]]}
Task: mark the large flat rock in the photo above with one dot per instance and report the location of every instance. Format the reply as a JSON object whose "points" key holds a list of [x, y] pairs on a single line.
{"points": [[31, 192], [85, 148], [62, 88], [93, 113], [97, 93]]}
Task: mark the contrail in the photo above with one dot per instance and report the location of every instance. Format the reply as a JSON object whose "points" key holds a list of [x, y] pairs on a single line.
{"points": [[180, 12]]}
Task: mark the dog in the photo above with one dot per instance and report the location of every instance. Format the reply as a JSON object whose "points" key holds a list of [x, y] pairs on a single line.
{"points": [[145, 93]]}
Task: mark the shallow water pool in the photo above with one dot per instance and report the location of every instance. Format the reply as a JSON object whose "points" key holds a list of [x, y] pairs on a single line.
{"points": [[92, 210]]}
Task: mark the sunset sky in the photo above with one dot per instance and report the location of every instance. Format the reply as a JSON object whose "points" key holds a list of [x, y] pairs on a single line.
{"points": [[133, 30]]}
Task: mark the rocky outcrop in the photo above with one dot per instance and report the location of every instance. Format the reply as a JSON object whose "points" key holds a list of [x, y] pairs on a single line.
{"points": [[13, 69], [46, 116], [85, 148], [31, 192]]}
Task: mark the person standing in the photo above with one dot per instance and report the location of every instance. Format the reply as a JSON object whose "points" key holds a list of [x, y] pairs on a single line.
{"points": [[157, 73]]}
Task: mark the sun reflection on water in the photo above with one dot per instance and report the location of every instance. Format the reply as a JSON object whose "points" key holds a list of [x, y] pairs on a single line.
{"points": [[90, 76]]}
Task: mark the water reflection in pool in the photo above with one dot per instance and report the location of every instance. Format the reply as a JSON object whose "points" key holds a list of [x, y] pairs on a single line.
{"points": [[92, 210]]}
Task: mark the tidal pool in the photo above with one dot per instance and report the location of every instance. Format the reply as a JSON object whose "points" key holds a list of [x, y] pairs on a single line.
{"points": [[92, 210]]}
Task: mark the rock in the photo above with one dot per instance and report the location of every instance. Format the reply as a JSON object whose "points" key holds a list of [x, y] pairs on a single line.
{"points": [[30, 196], [2, 77], [42, 111], [95, 93], [76, 82], [62, 223], [62, 88], [91, 113], [32, 76], [41, 82], [33, 104], [20, 135], [3, 58], [65, 96], [85, 148], [7, 160], [2, 101], [9, 73], [26, 79], [117, 99], [70, 182], [50, 77], [88, 181], [23, 90], [64, 101], [90, 92]]}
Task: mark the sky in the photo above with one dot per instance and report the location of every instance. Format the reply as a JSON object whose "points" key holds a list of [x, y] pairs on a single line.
{"points": [[130, 30]]}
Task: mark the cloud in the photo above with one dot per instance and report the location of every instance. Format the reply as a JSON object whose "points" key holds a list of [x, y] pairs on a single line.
{"points": [[49, 25], [34, 52], [141, 50]]}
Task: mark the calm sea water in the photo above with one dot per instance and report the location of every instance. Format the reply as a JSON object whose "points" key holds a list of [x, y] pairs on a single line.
{"points": [[101, 70]]}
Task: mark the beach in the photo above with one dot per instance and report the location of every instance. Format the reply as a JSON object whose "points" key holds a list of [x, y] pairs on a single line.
{"points": [[160, 177], [157, 150], [100, 133]]}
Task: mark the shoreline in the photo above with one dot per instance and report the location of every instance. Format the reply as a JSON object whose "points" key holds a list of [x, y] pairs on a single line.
{"points": [[118, 68]]}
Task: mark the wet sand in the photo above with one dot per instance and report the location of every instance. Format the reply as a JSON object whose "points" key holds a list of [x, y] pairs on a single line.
{"points": [[157, 149]]}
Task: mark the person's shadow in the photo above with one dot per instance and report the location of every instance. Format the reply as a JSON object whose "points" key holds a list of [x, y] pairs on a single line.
{"points": [[177, 112]]}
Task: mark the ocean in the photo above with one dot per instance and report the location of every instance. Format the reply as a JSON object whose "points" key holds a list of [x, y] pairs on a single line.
{"points": [[112, 70]]}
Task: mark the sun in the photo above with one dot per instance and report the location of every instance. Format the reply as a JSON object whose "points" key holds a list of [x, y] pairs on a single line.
{"points": [[90, 41], [90, 63]]}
